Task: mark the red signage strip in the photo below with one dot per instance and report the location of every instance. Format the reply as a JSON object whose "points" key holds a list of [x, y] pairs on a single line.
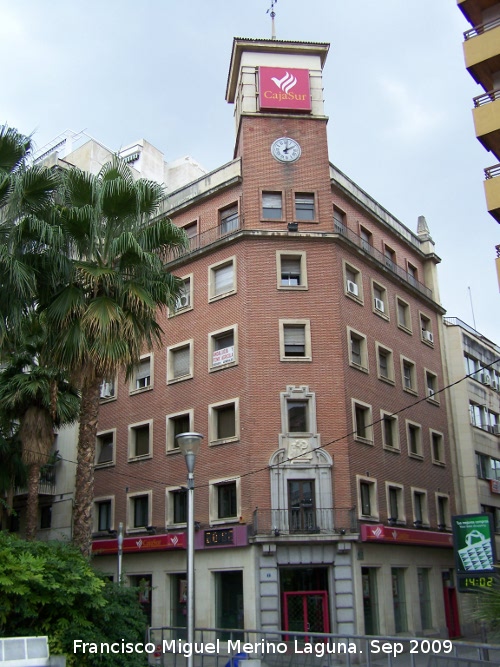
{"points": [[284, 89], [139, 544], [392, 535]]}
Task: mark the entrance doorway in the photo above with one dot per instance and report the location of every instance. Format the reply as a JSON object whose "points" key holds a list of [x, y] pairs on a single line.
{"points": [[229, 611], [305, 599], [370, 600], [178, 604], [144, 584]]}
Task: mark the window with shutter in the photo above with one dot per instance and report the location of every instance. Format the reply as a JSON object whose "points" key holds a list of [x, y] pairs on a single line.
{"points": [[295, 340], [181, 362], [223, 279], [272, 207]]}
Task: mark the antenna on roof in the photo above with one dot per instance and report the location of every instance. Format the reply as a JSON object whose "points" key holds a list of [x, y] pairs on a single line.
{"points": [[272, 13]]}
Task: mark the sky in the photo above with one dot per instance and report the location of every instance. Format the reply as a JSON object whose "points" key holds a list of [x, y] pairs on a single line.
{"points": [[396, 92]]}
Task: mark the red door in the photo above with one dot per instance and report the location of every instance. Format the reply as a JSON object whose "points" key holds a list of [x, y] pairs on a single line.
{"points": [[451, 609], [306, 611]]}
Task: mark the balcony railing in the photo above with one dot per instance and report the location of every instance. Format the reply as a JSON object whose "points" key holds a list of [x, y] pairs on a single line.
{"points": [[486, 98], [381, 258], [304, 521], [492, 172], [46, 485], [205, 239], [480, 28]]}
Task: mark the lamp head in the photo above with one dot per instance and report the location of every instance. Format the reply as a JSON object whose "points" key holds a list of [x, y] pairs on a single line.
{"points": [[189, 444]]}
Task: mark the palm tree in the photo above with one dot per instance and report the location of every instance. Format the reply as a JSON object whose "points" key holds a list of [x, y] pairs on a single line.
{"points": [[26, 196], [13, 472], [112, 283], [36, 397]]}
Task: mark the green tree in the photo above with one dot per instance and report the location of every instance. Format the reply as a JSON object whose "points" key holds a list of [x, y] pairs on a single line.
{"points": [[35, 395], [49, 588], [112, 282]]}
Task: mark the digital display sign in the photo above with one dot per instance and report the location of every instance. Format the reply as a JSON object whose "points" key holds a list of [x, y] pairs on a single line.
{"points": [[216, 538]]}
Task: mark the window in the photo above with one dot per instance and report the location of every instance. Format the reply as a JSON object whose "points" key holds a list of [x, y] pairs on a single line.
{"points": [[472, 365], [140, 440], [295, 340], [426, 330], [225, 500], [181, 422], [399, 599], [353, 286], [339, 221], [105, 448], [390, 430], [420, 510], [362, 414], [191, 229], [395, 503], [404, 316], [176, 505], [385, 363], [272, 205], [424, 597], [366, 239], [358, 353], [390, 258], [487, 467], [380, 303], [483, 418], [224, 421], [431, 386], [180, 361], [301, 506], [228, 219], [108, 389], [45, 517], [494, 512], [437, 446], [103, 514], [412, 274], [305, 206], [292, 272], [142, 375], [443, 511], [298, 416], [184, 299], [222, 279], [222, 346], [414, 436], [367, 497], [139, 507], [298, 412], [409, 375]]}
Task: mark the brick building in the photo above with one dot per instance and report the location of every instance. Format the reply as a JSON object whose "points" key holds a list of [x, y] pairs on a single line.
{"points": [[306, 347]]}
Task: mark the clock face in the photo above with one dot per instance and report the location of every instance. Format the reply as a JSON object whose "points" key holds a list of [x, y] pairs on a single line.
{"points": [[285, 149]]}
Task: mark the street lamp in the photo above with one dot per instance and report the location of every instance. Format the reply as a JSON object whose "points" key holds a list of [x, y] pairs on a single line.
{"points": [[189, 444]]}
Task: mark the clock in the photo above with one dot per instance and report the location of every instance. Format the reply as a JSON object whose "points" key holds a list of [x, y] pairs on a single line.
{"points": [[285, 149]]}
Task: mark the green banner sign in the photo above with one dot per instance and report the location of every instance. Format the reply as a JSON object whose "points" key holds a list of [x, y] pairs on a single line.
{"points": [[473, 542]]}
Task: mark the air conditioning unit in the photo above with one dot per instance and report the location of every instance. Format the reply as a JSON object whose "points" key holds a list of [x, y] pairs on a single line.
{"points": [[430, 392], [352, 288], [427, 335], [379, 305], [495, 385], [496, 429], [485, 378], [182, 302]]}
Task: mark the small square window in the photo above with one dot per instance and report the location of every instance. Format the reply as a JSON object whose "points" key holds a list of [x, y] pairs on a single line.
{"points": [[228, 219], [225, 501], [437, 447], [103, 517], [142, 376], [353, 286], [105, 448], [363, 427], [380, 303], [272, 206], [367, 498], [140, 440], [385, 363], [431, 386], [305, 206], [339, 221], [180, 362], [404, 315], [408, 373], [139, 511], [181, 422], [426, 330], [176, 506], [224, 422], [298, 416], [222, 279], [222, 346], [292, 273], [390, 431], [184, 298], [414, 435], [358, 353], [295, 340]]}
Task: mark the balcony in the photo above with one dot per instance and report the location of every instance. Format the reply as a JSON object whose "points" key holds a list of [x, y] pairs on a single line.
{"points": [[473, 9], [205, 239], [486, 114], [482, 52], [304, 521], [46, 485], [492, 190]]}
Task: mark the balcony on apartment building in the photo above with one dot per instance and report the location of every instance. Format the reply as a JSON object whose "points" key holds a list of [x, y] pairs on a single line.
{"points": [[486, 114], [492, 190], [46, 485], [482, 52], [304, 521]]}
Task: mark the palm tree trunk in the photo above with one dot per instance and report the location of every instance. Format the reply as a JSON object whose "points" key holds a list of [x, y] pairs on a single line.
{"points": [[32, 501], [84, 483]]}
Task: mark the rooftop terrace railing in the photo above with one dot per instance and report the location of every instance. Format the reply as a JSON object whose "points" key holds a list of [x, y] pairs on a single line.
{"points": [[480, 28]]}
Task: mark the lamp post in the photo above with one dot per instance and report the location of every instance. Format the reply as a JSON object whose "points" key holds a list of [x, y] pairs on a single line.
{"points": [[189, 444]]}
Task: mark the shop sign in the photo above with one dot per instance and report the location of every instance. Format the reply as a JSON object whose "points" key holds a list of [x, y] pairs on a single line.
{"points": [[392, 535], [495, 485], [284, 89], [140, 544], [474, 544]]}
